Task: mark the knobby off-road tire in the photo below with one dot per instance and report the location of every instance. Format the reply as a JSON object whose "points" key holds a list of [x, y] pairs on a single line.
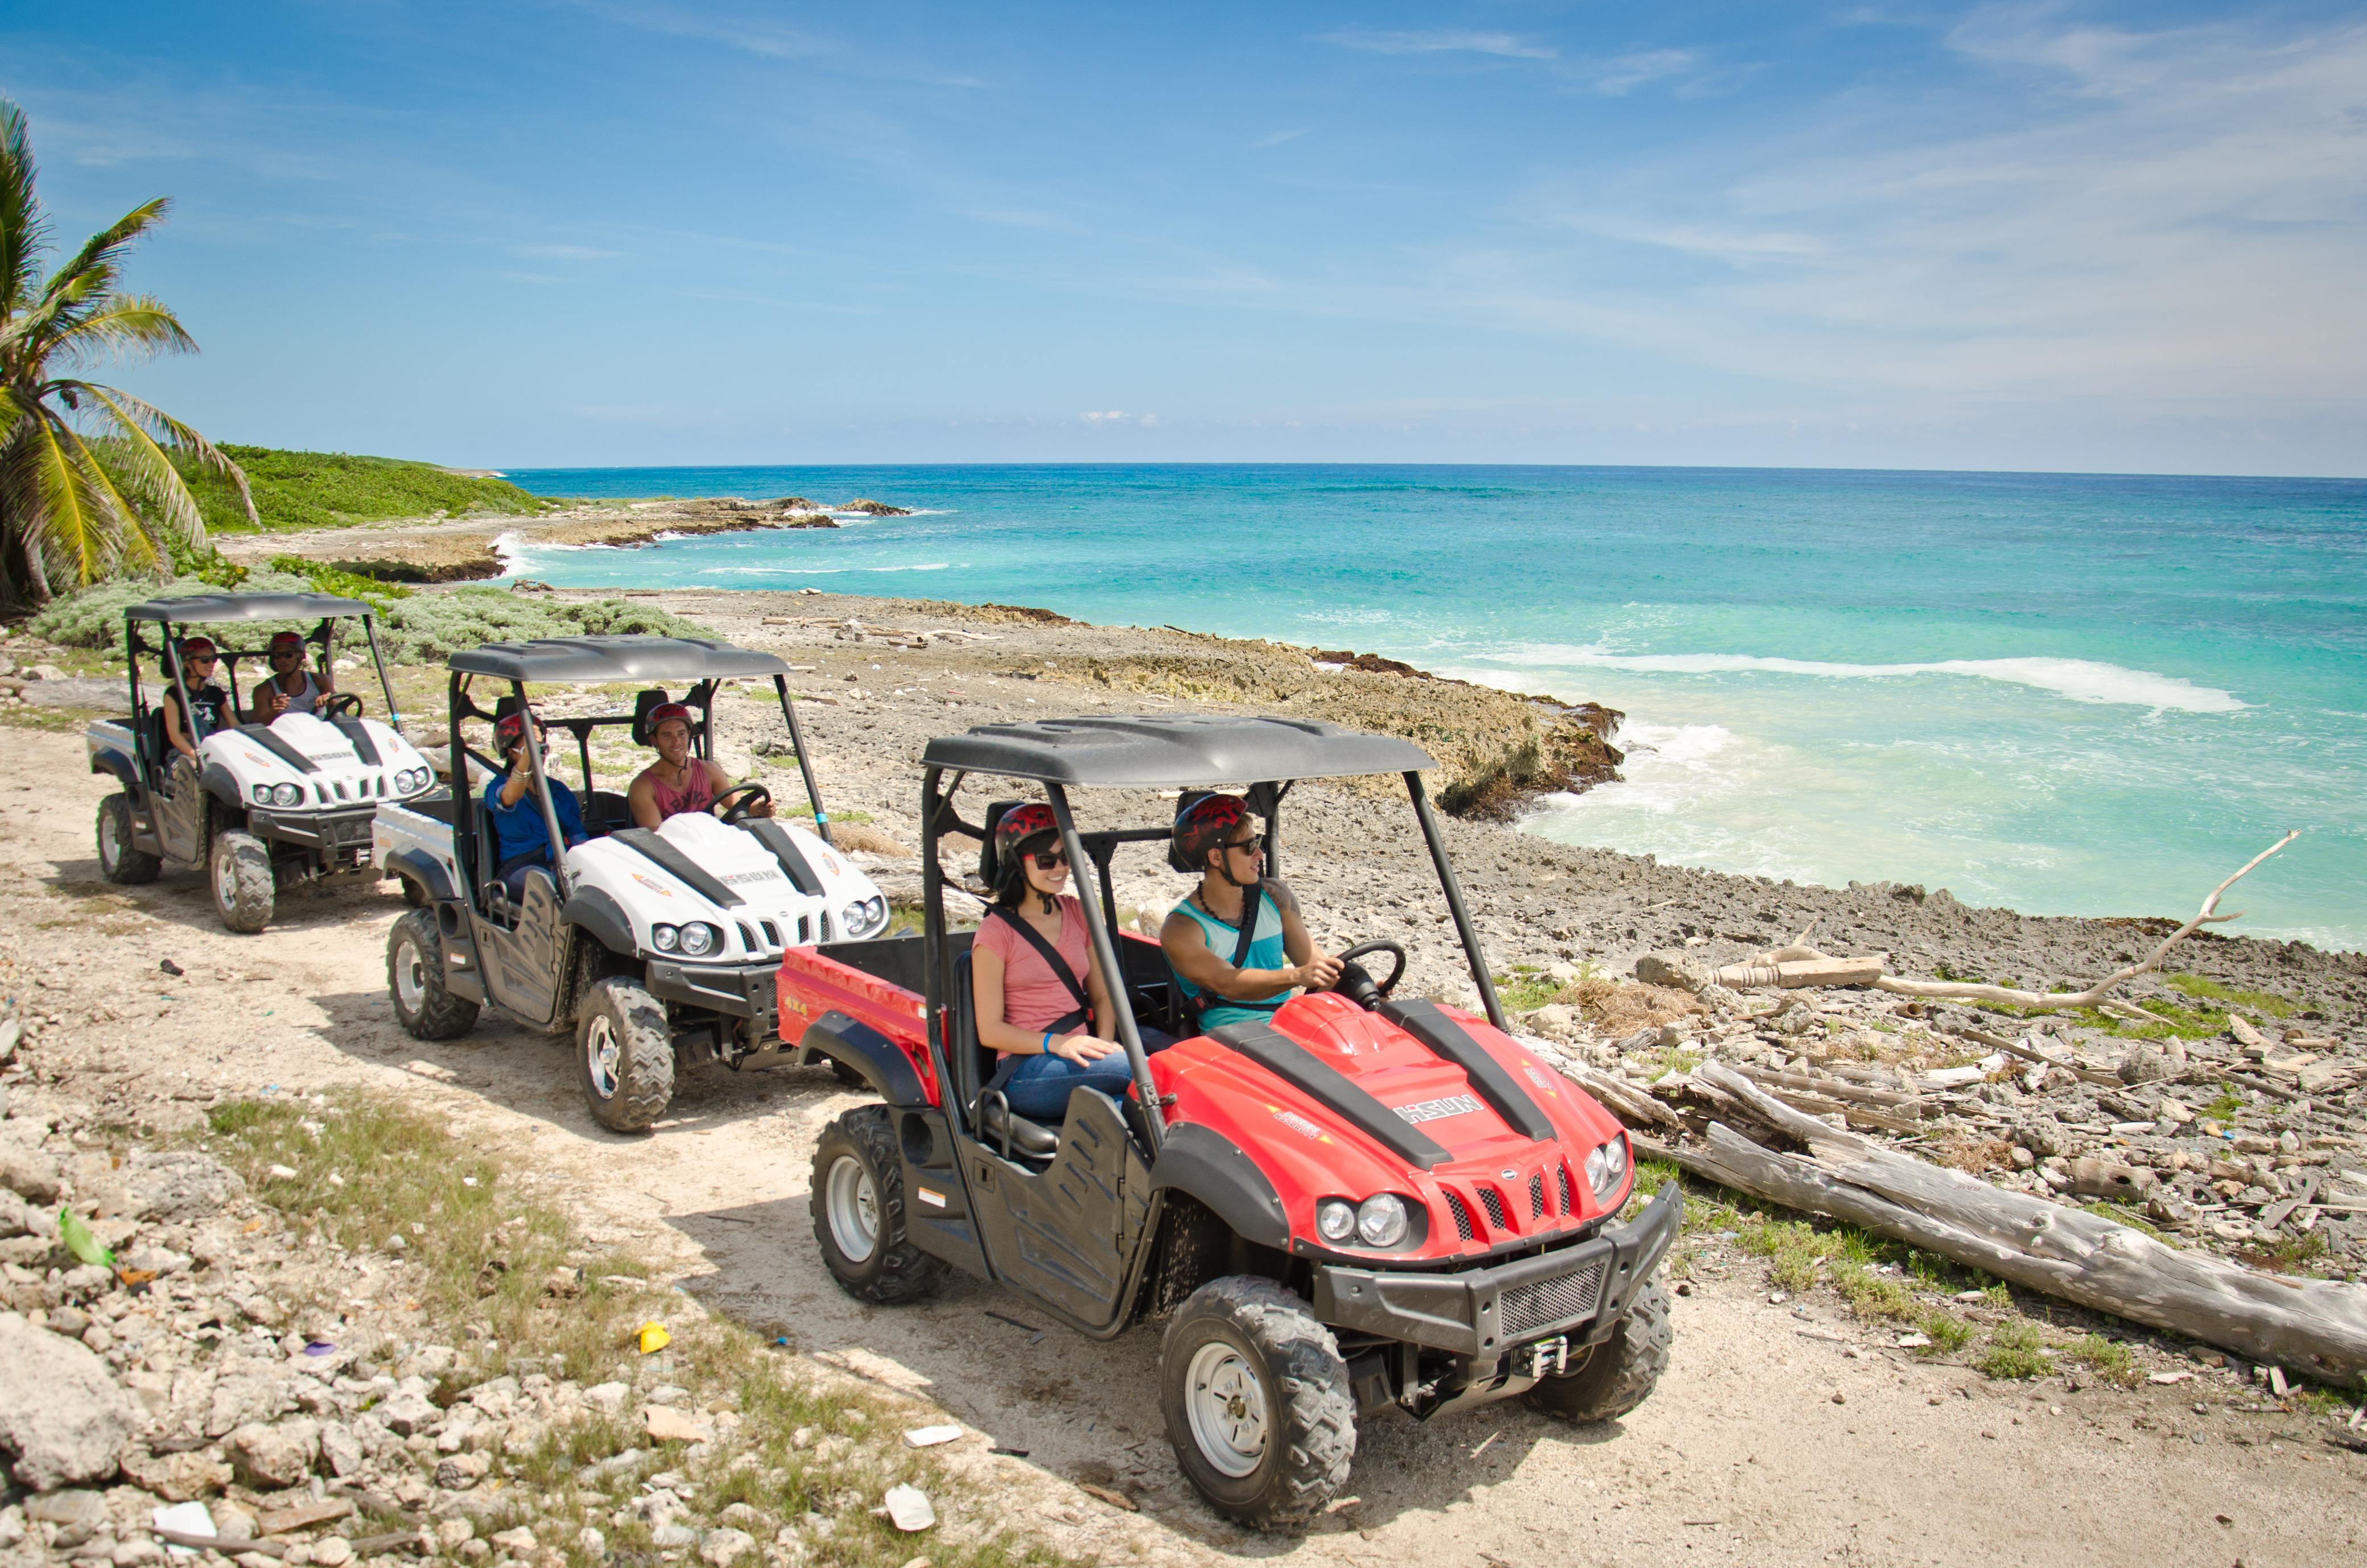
{"points": [[118, 861], [858, 1212], [238, 873], [625, 1054], [414, 981], [1619, 1373], [1257, 1403]]}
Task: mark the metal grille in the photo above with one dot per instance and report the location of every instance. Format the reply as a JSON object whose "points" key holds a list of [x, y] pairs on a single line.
{"points": [[1561, 1176], [772, 934], [1494, 1203], [1462, 1217], [1544, 1301], [747, 937], [1536, 1197]]}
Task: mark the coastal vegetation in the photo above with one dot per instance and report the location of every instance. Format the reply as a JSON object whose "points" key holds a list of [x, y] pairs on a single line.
{"points": [[93, 480], [333, 489]]}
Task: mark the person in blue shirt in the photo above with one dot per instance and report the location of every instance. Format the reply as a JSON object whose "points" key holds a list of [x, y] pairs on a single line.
{"points": [[1224, 979], [514, 816]]}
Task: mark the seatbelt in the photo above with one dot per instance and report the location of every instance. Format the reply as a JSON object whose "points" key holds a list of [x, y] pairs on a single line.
{"points": [[1252, 906], [1060, 966]]}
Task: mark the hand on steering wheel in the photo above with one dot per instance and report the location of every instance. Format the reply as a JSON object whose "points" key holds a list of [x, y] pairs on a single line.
{"points": [[1357, 986], [345, 703], [745, 798]]}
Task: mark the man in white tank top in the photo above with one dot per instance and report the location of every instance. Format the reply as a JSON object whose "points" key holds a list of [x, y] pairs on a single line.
{"points": [[293, 688]]}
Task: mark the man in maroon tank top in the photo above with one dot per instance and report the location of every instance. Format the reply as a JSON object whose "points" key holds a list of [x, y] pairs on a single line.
{"points": [[678, 781]]}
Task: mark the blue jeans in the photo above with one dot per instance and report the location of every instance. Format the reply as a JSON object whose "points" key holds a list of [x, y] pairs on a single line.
{"points": [[1039, 1086]]}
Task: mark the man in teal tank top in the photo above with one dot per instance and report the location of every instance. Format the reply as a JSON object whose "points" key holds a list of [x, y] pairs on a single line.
{"points": [[1203, 936]]}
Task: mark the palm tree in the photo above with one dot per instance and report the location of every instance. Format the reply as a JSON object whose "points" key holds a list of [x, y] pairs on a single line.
{"points": [[88, 487]]}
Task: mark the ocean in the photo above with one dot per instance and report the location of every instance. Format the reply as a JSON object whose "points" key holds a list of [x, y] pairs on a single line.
{"points": [[2069, 695]]}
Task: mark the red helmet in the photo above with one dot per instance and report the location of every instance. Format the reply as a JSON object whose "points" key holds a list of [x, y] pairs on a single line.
{"points": [[191, 645], [1016, 826], [509, 729], [665, 712], [283, 641], [1203, 824]]}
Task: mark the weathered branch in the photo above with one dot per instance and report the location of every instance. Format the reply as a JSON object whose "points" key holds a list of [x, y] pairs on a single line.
{"points": [[2097, 995], [2314, 1325]]}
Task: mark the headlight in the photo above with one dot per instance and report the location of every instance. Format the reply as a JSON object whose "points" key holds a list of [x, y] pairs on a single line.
{"points": [[1606, 1168], [287, 795], [1382, 1220], [1335, 1220], [665, 937], [262, 795], [406, 780], [856, 918], [699, 940]]}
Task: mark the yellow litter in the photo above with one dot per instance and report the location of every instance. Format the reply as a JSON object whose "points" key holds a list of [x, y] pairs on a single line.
{"points": [[653, 1337]]}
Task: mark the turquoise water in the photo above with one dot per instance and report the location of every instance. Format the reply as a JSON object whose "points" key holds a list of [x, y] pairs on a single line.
{"points": [[2069, 695]]}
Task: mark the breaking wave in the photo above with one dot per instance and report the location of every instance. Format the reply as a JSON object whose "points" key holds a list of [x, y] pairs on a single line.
{"points": [[2081, 679]]}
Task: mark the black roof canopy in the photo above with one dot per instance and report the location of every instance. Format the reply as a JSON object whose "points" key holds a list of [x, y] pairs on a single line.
{"points": [[1173, 751], [214, 609], [604, 659]]}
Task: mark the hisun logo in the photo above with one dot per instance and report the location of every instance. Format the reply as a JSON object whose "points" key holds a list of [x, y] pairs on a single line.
{"points": [[759, 876], [1432, 1110]]}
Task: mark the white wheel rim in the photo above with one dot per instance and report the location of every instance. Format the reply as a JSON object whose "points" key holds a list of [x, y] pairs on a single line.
{"points": [[852, 1203], [226, 877], [109, 849], [1225, 1401], [410, 976], [601, 1050]]}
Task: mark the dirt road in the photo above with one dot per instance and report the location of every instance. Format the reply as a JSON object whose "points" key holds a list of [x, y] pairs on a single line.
{"points": [[1784, 1433]]}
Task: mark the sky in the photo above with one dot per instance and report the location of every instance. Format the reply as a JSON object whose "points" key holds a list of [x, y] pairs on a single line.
{"points": [[2072, 236]]}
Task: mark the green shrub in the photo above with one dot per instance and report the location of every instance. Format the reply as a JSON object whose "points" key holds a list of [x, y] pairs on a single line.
{"points": [[2204, 989], [346, 584], [331, 489], [2017, 1349]]}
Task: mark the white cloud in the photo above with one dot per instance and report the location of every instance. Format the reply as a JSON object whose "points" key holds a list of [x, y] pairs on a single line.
{"points": [[1621, 73], [1112, 415], [565, 253], [1440, 41]]}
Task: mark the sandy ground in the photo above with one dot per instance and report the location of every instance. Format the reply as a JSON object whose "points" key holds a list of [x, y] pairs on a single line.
{"points": [[1783, 1433]]}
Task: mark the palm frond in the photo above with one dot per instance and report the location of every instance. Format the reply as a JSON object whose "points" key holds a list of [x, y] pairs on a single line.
{"points": [[76, 527], [93, 270], [134, 323], [135, 541], [22, 230], [150, 421], [150, 471]]}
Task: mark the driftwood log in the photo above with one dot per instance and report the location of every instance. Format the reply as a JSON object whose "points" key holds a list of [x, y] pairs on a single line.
{"points": [[2313, 1326]]}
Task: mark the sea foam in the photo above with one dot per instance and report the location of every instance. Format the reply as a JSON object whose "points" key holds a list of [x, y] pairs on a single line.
{"points": [[2081, 679]]}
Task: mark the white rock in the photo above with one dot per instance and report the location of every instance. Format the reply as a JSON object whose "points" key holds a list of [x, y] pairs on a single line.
{"points": [[606, 1396], [725, 1545], [908, 1508], [61, 1414], [406, 1412]]}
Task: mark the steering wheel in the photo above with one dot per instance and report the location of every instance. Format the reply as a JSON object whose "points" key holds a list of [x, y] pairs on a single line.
{"points": [[345, 703], [1357, 986], [744, 800]]}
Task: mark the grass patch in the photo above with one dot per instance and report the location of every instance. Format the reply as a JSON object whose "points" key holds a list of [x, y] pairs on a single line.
{"points": [[2107, 1359], [2121, 1215], [337, 579], [2203, 989], [334, 490], [789, 1452], [2225, 1105], [1525, 991], [2016, 1349], [2292, 1252], [1948, 1332]]}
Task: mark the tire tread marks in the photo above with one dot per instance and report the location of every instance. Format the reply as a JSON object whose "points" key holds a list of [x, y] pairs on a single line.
{"points": [[644, 1058], [442, 1015]]}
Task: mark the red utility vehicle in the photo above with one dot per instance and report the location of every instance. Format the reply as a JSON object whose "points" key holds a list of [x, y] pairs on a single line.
{"points": [[1365, 1203]]}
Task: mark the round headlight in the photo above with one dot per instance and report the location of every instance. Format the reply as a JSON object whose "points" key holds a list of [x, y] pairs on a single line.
{"points": [[855, 916], [1382, 1220], [1606, 1168], [1335, 1220], [262, 795], [698, 940], [665, 937], [287, 795]]}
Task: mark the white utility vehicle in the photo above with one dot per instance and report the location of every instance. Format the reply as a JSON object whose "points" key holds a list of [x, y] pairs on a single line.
{"points": [[264, 804], [658, 946]]}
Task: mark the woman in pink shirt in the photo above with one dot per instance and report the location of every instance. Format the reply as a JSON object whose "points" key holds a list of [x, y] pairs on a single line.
{"points": [[1054, 1026]]}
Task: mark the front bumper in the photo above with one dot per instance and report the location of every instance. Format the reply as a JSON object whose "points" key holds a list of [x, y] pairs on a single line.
{"points": [[1580, 1291], [318, 831], [736, 990]]}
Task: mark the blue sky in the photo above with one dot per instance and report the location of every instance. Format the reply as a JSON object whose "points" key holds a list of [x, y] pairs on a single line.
{"points": [[639, 232]]}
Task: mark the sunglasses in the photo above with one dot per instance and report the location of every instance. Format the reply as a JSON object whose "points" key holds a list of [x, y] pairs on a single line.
{"points": [[279, 653], [1250, 845], [1048, 860]]}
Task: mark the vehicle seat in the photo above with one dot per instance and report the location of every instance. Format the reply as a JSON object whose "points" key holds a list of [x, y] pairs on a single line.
{"points": [[644, 703], [998, 1125], [990, 864], [604, 811]]}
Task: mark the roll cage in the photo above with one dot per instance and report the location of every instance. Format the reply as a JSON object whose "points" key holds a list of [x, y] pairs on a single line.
{"points": [[175, 619], [1177, 751], [602, 661]]}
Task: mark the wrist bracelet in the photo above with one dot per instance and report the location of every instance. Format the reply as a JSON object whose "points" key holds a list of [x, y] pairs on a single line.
{"points": [[1047, 1046]]}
